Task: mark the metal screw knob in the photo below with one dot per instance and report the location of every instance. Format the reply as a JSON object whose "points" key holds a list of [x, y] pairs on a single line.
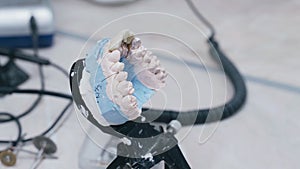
{"points": [[48, 146], [8, 158], [174, 126]]}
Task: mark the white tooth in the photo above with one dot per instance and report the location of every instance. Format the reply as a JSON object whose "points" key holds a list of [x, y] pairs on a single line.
{"points": [[148, 57], [151, 80], [128, 102], [117, 98], [133, 113], [138, 55], [154, 63], [128, 99], [160, 75], [131, 91], [125, 87], [165, 75], [121, 76], [120, 49], [158, 70], [143, 50], [157, 62], [105, 65], [135, 44], [133, 105], [135, 57], [144, 65], [124, 50], [114, 56], [154, 57], [110, 87], [117, 67]]}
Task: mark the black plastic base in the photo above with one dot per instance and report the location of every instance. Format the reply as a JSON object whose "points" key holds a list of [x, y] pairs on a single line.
{"points": [[147, 146], [11, 76]]}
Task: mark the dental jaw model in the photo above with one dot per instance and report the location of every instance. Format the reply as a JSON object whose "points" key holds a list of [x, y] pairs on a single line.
{"points": [[120, 76]]}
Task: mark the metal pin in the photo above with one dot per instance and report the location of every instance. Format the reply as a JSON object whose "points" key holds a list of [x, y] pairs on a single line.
{"points": [[174, 126], [45, 146], [19, 146], [48, 156], [39, 156]]}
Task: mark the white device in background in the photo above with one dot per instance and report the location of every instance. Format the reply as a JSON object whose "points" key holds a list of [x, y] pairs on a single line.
{"points": [[112, 2], [15, 27]]}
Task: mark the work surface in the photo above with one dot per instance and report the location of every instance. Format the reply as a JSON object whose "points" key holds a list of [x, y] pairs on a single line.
{"points": [[260, 36]]}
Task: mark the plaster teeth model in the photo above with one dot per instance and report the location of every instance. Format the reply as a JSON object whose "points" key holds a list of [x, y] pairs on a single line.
{"points": [[148, 67], [122, 75]]}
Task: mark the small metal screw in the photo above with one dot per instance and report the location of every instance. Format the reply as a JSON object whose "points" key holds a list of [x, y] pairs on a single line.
{"points": [[127, 166], [174, 126]]}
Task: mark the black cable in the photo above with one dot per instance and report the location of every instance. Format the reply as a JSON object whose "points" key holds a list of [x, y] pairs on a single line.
{"points": [[201, 17], [58, 118], [29, 58], [30, 109], [34, 59], [13, 118], [15, 53], [8, 53], [35, 43], [60, 69], [217, 113], [34, 91], [23, 56], [37, 101], [41, 92], [53, 124]]}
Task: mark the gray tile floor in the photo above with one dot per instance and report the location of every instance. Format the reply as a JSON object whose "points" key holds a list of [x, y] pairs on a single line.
{"points": [[261, 37]]}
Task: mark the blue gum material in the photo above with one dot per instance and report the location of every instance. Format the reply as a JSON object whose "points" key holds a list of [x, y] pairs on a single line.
{"points": [[109, 110]]}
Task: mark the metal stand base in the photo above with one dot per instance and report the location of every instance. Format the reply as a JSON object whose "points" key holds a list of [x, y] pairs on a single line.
{"points": [[146, 146]]}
